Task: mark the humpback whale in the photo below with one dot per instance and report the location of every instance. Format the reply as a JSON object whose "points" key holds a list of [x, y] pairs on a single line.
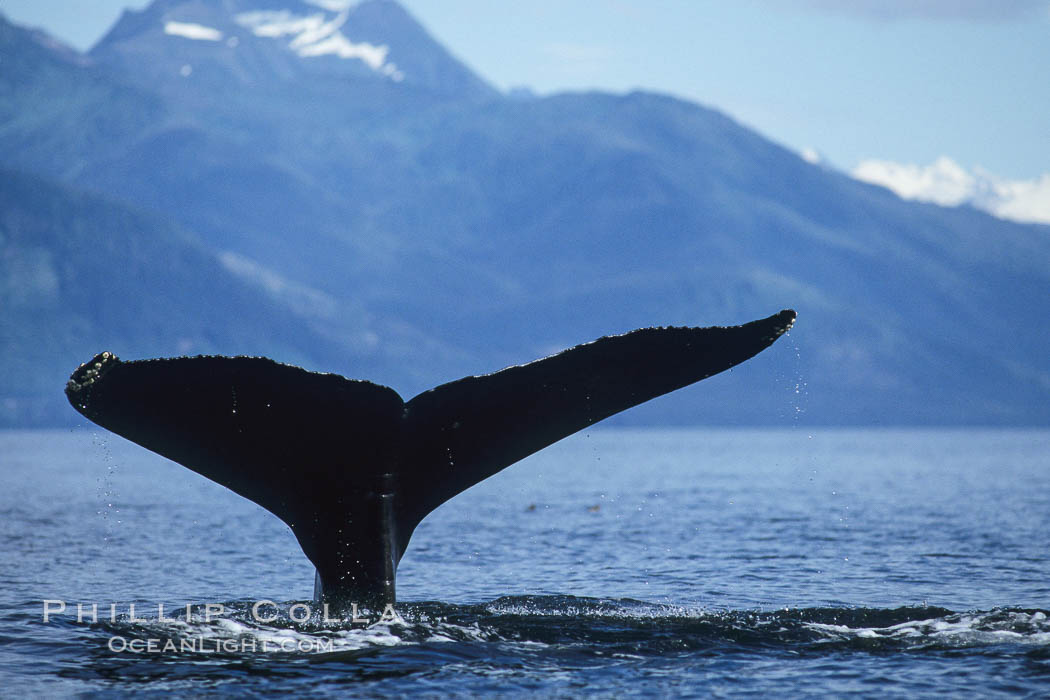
{"points": [[350, 466]]}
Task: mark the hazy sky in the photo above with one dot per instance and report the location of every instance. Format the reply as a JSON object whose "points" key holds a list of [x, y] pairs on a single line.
{"points": [[901, 80]]}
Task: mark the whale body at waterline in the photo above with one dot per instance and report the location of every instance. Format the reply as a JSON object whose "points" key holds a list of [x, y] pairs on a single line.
{"points": [[350, 466]]}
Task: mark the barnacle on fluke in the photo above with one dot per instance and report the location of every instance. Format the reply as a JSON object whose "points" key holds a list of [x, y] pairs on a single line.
{"points": [[88, 373]]}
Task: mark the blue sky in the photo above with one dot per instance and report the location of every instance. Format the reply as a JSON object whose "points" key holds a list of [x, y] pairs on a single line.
{"points": [[898, 80]]}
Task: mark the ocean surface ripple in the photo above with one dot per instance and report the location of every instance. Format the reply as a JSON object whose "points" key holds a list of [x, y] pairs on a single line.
{"points": [[618, 563]]}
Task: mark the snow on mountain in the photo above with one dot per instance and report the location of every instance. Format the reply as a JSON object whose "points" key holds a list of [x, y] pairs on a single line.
{"points": [[189, 30], [318, 35], [947, 183], [811, 156]]}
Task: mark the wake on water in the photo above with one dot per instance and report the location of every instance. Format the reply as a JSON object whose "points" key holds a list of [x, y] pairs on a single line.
{"points": [[587, 625]]}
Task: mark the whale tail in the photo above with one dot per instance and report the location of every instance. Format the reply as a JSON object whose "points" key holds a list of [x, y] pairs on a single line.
{"points": [[350, 466]]}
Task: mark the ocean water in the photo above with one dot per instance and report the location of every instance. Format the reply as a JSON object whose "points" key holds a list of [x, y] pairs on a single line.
{"points": [[615, 563]]}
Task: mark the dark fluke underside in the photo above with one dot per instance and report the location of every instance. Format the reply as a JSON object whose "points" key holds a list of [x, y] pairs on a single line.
{"points": [[350, 466]]}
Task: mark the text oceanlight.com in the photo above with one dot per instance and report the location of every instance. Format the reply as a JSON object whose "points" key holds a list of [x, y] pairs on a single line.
{"points": [[211, 645]]}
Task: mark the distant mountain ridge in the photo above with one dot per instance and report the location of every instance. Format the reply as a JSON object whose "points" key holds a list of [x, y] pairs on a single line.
{"points": [[62, 295], [421, 229], [59, 111]]}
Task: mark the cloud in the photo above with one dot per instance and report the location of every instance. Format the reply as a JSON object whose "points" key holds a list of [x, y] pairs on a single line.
{"points": [[1026, 200], [944, 182], [971, 10], [947, 183]]}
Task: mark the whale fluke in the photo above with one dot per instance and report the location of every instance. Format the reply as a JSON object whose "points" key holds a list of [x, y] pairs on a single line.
{"points": [[350, 466]]}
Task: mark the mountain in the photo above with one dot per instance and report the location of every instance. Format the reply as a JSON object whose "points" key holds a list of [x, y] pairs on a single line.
{"points": [[58, 111], [428, 227], [253, 43], [80, 273], [63, 298]]}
